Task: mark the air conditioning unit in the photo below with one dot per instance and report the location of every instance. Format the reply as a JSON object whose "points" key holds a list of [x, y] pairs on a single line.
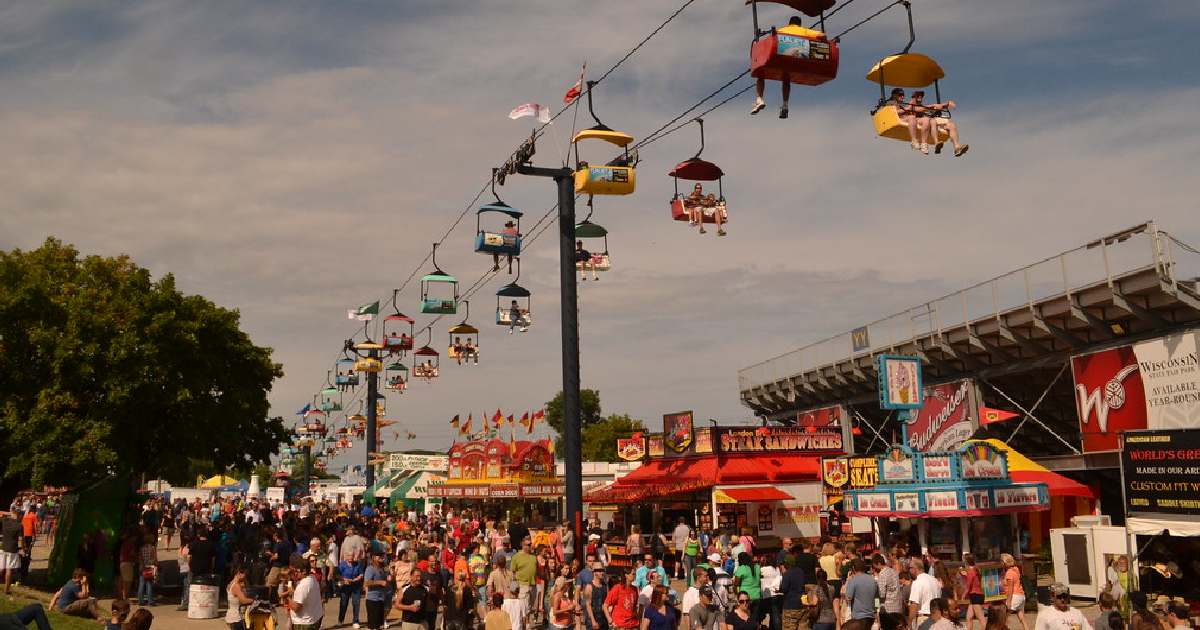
{"points": [[1088, 520]]}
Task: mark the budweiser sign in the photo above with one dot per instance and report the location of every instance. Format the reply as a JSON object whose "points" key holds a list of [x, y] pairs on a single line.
{"points": [[947, 419]]}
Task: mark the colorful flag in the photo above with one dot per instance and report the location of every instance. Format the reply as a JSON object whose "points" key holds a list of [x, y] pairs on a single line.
{"points": [[987, 415], [466, 428], [533, 420], [497, 417], [364, 313], [305, 409], [454, 421], [576, 89], [485, 427], [541, 112]]}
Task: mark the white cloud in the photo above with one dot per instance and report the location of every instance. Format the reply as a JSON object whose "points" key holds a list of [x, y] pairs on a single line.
{"points": [[295, 180]]}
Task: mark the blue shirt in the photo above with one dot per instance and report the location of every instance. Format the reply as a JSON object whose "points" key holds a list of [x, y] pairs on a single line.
{"points": [[584, 578], [861, 591], [68, 595], [641, 579], [375, 593]]}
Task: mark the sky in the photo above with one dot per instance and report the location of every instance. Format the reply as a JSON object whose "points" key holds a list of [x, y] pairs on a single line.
{"points": [[293, 160]]}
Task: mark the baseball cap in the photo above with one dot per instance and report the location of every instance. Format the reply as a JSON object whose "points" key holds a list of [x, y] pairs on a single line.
{"points": [[706, 591], [714, 557], [1059, 588]]}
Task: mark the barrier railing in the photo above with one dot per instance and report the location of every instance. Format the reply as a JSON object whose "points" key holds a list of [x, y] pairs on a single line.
{"points": [[1101, 261]]}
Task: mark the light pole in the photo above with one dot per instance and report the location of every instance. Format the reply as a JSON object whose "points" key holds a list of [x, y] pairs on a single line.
{"points": [[368, 353], [564, 179]]}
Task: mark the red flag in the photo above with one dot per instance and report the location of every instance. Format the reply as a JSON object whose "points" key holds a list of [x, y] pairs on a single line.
{"points": [[576, 89], [454, 421], [497, 417], [525, 419], [987, 415], [485, 424], [510, 420], [466, 428]]}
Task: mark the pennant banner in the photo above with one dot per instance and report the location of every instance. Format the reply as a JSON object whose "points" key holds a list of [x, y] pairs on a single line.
{"points": [[541, 112], [364, 313], [987, 415], [576, 89]]}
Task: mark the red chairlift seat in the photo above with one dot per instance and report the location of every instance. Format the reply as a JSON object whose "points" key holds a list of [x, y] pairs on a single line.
{"points": [[805, 56]]}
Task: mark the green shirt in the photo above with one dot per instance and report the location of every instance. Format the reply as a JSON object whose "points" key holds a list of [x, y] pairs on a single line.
{"points": [[749, 583], [524, 566]]}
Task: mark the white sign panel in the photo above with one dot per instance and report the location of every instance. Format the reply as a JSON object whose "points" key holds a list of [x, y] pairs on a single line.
{"points": [[1010, 497], [417, 461], [908, 502], [941, 501], [875, 502], [1170, 368]]}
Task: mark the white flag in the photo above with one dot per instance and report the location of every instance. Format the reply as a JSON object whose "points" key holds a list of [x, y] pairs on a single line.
{"points": [[541, 112]]}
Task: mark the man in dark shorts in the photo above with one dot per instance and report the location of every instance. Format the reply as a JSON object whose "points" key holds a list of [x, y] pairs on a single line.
{"points": [[583, 259], [412, 603]]}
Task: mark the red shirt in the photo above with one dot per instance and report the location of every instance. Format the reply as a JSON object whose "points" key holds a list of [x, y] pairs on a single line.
{"points": [[29, 522], [623, 599]]}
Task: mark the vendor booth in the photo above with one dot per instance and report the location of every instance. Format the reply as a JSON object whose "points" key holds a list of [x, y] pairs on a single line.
{"points": [[1160, 469], [950, 503], [503, 479], [727, 479]]}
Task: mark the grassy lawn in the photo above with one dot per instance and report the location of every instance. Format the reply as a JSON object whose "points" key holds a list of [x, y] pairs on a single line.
{"points": [[21, 598]]}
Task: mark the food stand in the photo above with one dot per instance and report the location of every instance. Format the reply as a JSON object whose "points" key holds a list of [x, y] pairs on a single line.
{"points": [[955, 502], [506, 480]]}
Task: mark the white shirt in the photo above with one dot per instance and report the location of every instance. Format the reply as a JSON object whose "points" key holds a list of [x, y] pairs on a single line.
{"points": [[516, 611], [770, 580], [924, 590], [308, 595], [644, 596], [691, 597], [1051, 618]]}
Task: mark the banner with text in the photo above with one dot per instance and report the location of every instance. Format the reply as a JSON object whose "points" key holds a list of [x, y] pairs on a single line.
{"points": [[1109, 397], [1170, 368], [948, 418], [1162, 471]]}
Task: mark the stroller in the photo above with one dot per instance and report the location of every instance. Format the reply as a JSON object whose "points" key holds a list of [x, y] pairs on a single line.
{"points": [[259, 615]]}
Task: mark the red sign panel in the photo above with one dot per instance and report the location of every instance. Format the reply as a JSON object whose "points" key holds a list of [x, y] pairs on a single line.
{"points": [[1109, 397], [947, 419], [823, 417]]}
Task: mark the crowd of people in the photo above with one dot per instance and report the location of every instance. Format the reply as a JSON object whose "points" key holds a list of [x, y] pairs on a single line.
{"points": [[462, 570]]}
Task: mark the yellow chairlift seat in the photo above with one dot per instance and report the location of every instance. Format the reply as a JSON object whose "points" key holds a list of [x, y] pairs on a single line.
{"points": [[608, 135], [609, 179], [888, 125], [910, 70], [367, 364]]}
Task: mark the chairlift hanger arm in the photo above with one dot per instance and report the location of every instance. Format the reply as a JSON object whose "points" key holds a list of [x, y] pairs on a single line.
{"points": [[700, 121]]}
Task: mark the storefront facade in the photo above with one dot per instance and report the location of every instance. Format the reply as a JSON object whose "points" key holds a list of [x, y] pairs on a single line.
{"points": [[728, 479], [513, 479]]}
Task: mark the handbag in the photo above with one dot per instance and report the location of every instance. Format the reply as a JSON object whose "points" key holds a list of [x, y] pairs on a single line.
{"points": [[148, 573]]}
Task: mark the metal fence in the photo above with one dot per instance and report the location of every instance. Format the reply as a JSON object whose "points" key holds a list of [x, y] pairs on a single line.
{"points": [[1136, 249]]}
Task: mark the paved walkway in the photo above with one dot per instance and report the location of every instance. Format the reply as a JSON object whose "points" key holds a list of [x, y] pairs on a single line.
{"points": [[166, 615]]}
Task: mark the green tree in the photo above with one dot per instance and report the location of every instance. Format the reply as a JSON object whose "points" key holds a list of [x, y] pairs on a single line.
{"points": [[589, 412], [104, 370], [600, 438]]}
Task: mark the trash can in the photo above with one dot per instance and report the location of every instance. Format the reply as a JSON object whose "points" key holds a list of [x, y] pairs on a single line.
{"points": [[204, 596]]}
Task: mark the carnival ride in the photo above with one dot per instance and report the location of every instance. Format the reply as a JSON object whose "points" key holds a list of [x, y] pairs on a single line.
{"points": [[794, 53]]}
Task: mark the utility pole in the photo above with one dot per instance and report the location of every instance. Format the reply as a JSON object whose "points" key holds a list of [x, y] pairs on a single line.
{"points": [[372, 419], [307, 454], [564, 179]]}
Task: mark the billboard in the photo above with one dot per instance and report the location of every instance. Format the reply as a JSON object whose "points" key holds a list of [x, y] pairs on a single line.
{"points": [[1170, 369], [1109, 397], [947, 419], [677, 430], [1161, 469], [899, 382], [631, 449], [417, 461], [779, 440]]}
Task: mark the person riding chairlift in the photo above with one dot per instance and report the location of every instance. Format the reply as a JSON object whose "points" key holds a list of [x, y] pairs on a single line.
{"points": [[785, 84], [929, 122], [696, 203], [516, 318], [510, 230], [584, 258]]}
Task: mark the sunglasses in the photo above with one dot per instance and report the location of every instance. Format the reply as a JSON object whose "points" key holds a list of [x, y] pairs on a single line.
{"points": [[743, 601]]}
